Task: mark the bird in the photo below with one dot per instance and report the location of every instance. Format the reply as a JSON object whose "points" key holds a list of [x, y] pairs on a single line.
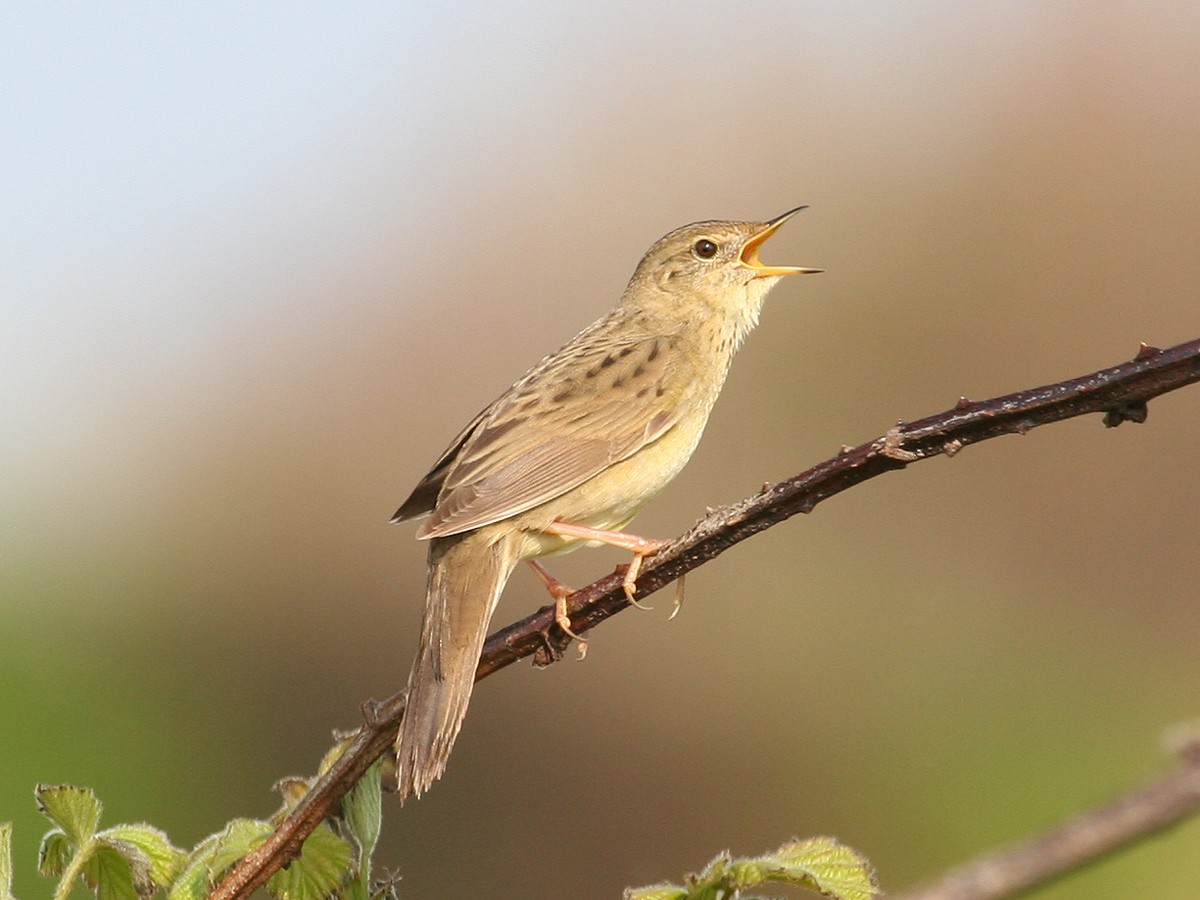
{"points": [[569, 454]]}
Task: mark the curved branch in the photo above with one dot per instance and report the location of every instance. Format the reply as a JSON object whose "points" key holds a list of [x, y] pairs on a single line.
{"points": [[1120, 393]]}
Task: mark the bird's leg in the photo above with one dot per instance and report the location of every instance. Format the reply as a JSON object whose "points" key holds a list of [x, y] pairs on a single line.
{"points": [[560, 592], [640, 547]]}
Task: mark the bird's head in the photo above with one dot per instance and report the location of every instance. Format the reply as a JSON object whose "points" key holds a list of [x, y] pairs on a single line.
{"points": [[714, 264]]}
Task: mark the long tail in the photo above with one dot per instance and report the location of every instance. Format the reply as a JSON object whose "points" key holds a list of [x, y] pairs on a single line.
{"points": [[466, 575]]}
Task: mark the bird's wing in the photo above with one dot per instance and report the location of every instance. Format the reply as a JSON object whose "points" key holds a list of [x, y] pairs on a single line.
{"points": [[595, 403], [424, 496]]}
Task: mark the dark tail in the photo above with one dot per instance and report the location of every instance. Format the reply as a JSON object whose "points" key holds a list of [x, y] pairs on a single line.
{"points": [[466, 575]]}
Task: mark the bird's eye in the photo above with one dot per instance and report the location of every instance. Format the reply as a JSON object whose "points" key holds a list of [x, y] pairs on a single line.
{"points": [[704, 249]]}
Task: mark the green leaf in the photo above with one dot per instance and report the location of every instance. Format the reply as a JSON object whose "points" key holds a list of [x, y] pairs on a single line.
{"points": [[6, 861], [216, 853], [362, 817], [193, 883], [830, 867], [239, 838], [821, 864], [75, 810], [119, 863], [145, 845], [116, 875], [363, 810], [342, 740], [320, 869], [54, 853]]}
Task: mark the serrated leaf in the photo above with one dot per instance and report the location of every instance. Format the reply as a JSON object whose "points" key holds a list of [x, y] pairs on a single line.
{"points": [[75, 810], [216, 853], [830, 867], [320, 869], [820, 864], [162, 858], [118, 874], [54, 854], [6, 872]]}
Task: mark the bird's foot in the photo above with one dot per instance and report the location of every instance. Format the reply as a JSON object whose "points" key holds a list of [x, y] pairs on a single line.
{"points": [[560, 592], [641, 547]]}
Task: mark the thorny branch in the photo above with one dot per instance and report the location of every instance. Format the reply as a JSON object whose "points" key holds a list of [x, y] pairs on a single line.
{"points": [[1120, 393]]}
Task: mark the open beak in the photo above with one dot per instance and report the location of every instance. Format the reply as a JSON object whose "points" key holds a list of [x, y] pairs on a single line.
{"points": [[749, 256]]}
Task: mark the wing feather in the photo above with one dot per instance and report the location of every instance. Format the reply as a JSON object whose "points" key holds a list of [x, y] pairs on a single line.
{"points": [[573, 415], [424, 496]]}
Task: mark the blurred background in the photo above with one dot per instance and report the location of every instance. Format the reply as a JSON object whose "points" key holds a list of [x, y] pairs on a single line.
{"points": [[261, 261]]}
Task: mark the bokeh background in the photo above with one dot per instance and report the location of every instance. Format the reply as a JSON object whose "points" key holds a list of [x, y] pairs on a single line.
{"points": [[261, 261]]}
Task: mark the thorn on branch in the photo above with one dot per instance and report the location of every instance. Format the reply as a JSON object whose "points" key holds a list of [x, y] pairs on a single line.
{"points": [[1136, 411], [1146, 351]]}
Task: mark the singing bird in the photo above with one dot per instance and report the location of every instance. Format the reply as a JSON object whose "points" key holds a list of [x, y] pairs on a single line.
{"points": [[569, 454]]}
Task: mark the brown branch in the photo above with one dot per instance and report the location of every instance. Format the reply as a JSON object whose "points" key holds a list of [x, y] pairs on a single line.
{"points": [[1120, 393], [1085, 838]]}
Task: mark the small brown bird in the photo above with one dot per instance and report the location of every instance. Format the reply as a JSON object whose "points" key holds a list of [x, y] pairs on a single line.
{"points": [[570, 453]]}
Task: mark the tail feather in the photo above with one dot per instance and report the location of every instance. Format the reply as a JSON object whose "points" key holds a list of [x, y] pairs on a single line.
{"points": [[466, 575]]}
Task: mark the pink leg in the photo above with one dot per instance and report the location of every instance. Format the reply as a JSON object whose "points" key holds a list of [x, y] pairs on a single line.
{"points": [[640, 547], [560, 592]]}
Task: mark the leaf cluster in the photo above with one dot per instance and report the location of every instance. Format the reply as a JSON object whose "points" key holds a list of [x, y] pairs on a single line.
{"points": [[137, 861], [821, 864]]}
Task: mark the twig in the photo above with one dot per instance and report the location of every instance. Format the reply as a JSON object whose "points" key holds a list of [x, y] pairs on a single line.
{"points": [[1120, 392], [1084, 839]]}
